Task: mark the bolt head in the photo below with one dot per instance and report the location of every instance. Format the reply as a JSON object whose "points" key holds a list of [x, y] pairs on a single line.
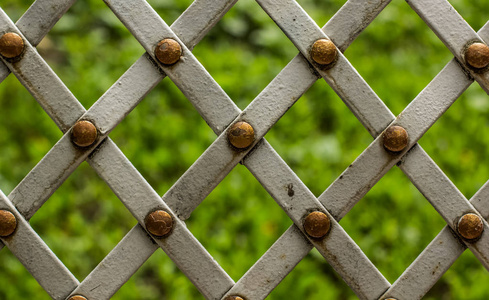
{"points": [[477, 55], [470, 226], [241, 135], [159, 223], [11, 45], [168, 51], [323, 52], [395, 138], [233, 298], [8, 223], [77, 297], [84, 133], [317, 224]]}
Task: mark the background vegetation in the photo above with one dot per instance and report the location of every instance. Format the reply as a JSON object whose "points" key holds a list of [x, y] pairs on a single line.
{"points": [[398, 56]]}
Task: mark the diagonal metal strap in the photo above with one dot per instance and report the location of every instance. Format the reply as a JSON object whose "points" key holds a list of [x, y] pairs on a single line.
{"points": [[265, 164]]}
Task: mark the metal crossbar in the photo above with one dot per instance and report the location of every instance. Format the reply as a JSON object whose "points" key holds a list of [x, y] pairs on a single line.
{"points": [[222, 115]]}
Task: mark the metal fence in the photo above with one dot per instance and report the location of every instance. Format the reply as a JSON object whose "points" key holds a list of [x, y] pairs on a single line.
{"points": [[240, 139]]}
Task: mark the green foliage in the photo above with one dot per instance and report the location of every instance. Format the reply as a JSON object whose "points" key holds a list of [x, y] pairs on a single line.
{"points": [[398, 55]]}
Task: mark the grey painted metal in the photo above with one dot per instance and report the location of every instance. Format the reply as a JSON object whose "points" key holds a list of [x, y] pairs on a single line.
{"points": [[416, 119], [37, 21], [36, 256], [452, 30], [296, 71], [209, 279], [220, 158], [266, 165]]}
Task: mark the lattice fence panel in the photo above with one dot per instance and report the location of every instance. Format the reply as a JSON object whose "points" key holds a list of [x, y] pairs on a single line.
{"points": [[161, 220]]}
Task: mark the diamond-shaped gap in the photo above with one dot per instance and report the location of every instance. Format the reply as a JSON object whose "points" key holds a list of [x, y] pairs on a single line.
{"points": [[238, 222], [89, 49], [15, 8], [163, 136], [393, 224], [17, 282], [474, 12], [398, 55], [313, 278], [158, 278], [169, 11], [462, 281], [82, 221], [319, 137], [321, 11], [26, 133], [245, 51], [457, 143]]}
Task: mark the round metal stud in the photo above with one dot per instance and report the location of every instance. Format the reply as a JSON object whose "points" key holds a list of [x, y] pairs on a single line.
{"points": [[323, 52], [241, 135], [11, 45], [168, 51], [470, 226], [317, 224], [8, 223], [234, 298], [77, 297], [395, 138], [159, 223], [84, 134], [477, 55]]}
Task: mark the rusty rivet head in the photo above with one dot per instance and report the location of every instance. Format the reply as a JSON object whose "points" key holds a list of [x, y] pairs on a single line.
{"points": [[317, 224], [77, 297], [8, 223], [11, 45], [84, 133], [168, 51], [395, 138], [477, 55], [234, 298], [323, 52], [470, 226], [159, 223], [241, 135]]}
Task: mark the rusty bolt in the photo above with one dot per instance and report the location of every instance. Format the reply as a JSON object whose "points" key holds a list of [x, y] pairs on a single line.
{"points": [[477, 55], [323, 52], [84, 133], [470, 226], [241, 135], [77, 297], [11, 45], [395, 138], [159, 223], [317, 224], [234, 298], [8, 223], [168, 51]]}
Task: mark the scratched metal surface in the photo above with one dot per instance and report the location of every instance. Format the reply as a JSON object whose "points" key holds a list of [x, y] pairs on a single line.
{"points": [[220, 113]]}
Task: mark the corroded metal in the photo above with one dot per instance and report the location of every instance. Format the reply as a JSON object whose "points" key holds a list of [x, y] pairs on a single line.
{"points": [[241, 135], [168, 51], [477, 55], [8, 223], [323, 52], [11, 45], [470, 226], [84, 133], [159, 223], [317, 224], [234, 298], [78, 297], [395, 138]]}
